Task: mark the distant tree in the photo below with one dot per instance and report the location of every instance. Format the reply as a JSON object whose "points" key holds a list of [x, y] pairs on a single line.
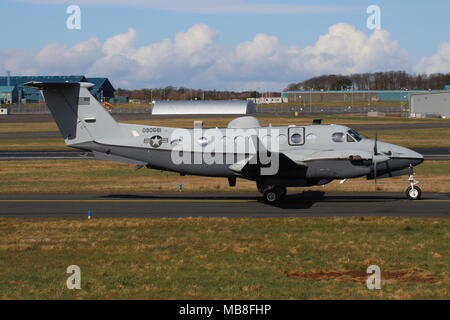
{"points": [[390, 80]]}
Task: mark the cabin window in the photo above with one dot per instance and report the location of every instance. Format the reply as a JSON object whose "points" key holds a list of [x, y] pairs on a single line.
{"points": [[239, 140], [338, 137], [311, 138], [296, 138], [296, 135], [203, 141], [282, 139], [176, 141], [225, 140], [266, 139]]}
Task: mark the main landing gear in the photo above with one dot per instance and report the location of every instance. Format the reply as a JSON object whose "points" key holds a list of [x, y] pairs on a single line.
{"points": [[413, 192], [272, 194]]}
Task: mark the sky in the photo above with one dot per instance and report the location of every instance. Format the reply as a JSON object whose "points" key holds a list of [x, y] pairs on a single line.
{"points": [[222, 44]]}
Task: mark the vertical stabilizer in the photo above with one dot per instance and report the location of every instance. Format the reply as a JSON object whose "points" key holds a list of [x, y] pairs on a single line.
{"points": [[79, 116]]}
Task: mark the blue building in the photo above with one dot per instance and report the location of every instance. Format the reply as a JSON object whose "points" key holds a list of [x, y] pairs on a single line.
{"points": [[8, 94], [348, 95], [102, 89]]}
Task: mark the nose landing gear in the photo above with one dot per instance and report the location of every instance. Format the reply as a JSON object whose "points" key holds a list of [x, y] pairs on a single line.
{"points": [[272, 194], [413, 192]]}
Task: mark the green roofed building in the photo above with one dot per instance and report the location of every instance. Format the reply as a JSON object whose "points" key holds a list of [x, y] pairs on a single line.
{"points": [[8, 94], [32, 95], [102, 89]]}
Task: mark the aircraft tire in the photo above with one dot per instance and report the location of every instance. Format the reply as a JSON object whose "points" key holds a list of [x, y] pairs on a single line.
{"points": [[413, 193], [271, 196]]}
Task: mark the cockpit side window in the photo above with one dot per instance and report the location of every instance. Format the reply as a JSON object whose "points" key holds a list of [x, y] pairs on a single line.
{"points": [[355, 135], [350, 138], [338, 137]]}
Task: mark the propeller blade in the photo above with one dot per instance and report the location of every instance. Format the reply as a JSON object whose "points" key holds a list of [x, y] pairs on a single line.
{"points": [[375, 170], [375, 146], [375, 153]]}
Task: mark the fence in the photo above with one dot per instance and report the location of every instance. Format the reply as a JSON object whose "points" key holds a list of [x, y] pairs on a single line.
{"points": [[327, 110], [42, 109]]}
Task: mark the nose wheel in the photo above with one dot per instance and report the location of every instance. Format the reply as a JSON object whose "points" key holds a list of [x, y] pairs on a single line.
{"points": [[272, 194], [413, 192]]}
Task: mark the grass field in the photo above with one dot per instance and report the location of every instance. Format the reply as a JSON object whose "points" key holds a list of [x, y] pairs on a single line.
{"points": [[312, 258], [33, 144], [85, 176]]}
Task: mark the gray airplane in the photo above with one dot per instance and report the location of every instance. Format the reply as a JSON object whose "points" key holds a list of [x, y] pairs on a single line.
{"points": [[274, 157]]}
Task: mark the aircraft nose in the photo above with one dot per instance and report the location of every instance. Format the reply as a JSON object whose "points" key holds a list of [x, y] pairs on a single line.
{"points": [[415, 157]]}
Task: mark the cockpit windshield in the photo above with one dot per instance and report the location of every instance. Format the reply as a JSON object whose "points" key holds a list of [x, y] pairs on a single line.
{"points": [[355, 135]]}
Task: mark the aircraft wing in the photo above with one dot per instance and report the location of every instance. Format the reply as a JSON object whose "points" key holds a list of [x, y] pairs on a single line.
{"points": [[296, 160], [287, 163]]}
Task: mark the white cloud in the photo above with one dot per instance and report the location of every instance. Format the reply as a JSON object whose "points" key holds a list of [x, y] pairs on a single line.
{"points": [[438, 63], [193, 58], [121, 44], [345, 49]]}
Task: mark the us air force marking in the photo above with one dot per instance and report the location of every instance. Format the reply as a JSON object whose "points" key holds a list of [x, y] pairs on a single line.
{"points": [[156, 141]]}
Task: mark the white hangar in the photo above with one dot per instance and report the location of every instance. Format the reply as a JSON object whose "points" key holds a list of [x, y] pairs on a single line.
{"points": [[430, 104]]}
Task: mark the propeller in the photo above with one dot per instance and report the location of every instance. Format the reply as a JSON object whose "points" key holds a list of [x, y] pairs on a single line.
{"points": [[375, 153], [378, 157]]}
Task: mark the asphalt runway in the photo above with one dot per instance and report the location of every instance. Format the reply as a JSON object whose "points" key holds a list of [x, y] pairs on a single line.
{"points": [[429, 154], [307, 204]]}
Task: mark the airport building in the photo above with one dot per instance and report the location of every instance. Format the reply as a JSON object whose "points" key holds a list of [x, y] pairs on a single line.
{"points": [[237, 107], [102, 89], [430, 104], [314, 96], [8, 94]]}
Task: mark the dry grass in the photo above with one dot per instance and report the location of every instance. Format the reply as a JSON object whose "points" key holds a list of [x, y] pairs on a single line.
{"points": [[33, 144], [414, 138], [311, 258], [88, 176], [14, 127]]}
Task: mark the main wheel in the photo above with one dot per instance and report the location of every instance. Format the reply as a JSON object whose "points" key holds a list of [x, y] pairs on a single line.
{"points": [[413, 193], [271, 196]]}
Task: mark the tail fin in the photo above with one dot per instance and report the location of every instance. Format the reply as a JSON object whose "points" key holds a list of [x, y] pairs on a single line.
{"points": [[79, 116]]}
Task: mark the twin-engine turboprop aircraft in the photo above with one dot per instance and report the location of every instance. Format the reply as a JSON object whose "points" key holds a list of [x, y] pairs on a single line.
{"points": [[274, 157]]}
